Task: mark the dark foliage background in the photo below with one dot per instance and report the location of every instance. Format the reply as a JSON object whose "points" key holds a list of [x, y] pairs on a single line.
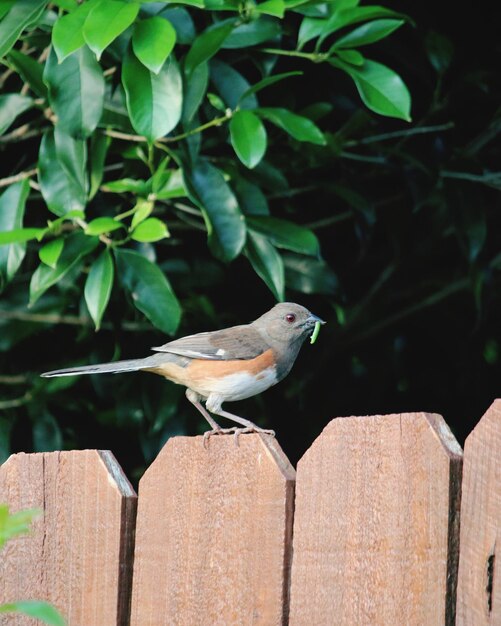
{"points": [[409, 224]]}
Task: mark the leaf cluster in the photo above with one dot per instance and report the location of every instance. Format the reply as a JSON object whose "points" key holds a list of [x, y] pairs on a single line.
{"points": [[107, 83]]}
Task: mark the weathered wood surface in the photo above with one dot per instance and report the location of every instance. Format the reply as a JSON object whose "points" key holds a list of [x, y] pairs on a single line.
{"points": [[479, 582], [213, 534], [376, 523], [78, 555]]}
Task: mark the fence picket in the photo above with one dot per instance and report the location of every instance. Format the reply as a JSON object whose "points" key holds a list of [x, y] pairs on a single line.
{"points": [[479, 581], [376, 523], [213, 534], [79, 553]]}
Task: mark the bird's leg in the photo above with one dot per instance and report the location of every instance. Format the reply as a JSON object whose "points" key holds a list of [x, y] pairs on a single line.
{"points": [[194, 398], [214, 403]]}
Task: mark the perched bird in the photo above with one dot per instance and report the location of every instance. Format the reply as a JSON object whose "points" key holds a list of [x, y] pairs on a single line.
{"points": [[225, 365]]}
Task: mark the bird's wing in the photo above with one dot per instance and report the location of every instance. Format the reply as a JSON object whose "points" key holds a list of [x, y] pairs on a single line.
{"points": [[238, 342]]}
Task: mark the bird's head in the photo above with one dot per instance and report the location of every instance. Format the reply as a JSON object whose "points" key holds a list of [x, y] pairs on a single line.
{"points": [[287, 321]]}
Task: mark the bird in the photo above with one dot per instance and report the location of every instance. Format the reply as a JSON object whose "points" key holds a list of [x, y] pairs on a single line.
{"points": [[224, 365]]}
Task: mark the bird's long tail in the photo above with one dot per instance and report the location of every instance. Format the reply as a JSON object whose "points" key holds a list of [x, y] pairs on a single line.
{"points": [[132, 365]]}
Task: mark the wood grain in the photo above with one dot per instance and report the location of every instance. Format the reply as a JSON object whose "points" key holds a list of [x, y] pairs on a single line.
{"points": [[376, 523], [479, 582], [79, 553], [213, 534]]}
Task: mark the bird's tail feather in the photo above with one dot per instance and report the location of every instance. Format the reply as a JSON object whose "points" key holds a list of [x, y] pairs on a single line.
{"points": [[132, 365]]}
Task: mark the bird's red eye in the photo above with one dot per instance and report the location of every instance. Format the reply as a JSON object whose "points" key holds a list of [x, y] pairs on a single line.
{"points": [[290, 317]]}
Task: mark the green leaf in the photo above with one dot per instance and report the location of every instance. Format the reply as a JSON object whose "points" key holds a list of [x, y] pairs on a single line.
{"points": [[99, 144], [127, 184], [223, 219], [150, 230], [275, 8], [76, 91], [14, 524], [30, 70], [194, 91], [248, 137], [353, 57], [250, 197], [231, 85], [154, 101], [299, 127], [150, 290], [207, 44], [285, 234], [215, 101], [5, 7], [439, 50], [77, 246], [182, 22], [51, 251], [267, 263], [106, 21], [61, 191], [308, 275], [253, 33], [72, 155], [35, 608], [101, 225], [12, 205], [367, 33], [313, 27], [67, 33], [98, 286], [22, 14], [11, 106], [173, 187], [142, 210], [152, 41], [266, 82], [20, 235], [221, 5], [67, 5], [381, 89]]}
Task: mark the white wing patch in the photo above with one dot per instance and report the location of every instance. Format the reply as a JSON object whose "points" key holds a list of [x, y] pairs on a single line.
{"points": [[220, 352]]}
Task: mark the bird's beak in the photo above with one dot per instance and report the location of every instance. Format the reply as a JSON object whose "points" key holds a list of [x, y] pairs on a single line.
{"points": [[315, 319]]}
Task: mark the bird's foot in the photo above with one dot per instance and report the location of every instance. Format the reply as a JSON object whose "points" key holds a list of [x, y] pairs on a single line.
{"points": [[217, 431], [236, 431], [251, 429]]}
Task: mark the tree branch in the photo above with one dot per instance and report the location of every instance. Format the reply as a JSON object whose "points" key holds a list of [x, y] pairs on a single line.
{"points": [[5, 182], [15, 402], [71, 320]]}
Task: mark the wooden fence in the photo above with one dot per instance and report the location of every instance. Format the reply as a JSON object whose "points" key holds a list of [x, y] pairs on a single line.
{"points": [[369, 532]]}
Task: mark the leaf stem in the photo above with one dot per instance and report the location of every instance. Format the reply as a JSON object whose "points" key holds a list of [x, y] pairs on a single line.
{"points": [[116, 134], [217, 121], [316, 57]]}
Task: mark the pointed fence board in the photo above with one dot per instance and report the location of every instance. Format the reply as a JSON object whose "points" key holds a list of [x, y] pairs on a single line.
{"points": [[213, 534], [479, 581], [78, 555], [376, 523]]}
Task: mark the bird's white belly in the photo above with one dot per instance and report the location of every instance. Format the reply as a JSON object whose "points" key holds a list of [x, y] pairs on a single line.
{"points": [[239, 385]]}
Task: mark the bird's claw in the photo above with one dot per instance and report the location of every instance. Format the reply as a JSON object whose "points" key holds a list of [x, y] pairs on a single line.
{"points": [[217, 431], [236, 431], [251, 429]]}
